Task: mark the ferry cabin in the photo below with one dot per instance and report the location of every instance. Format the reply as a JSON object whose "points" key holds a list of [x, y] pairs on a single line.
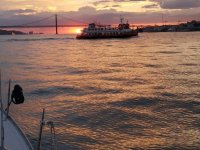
{"points": [[98, 31], [94, 30]]}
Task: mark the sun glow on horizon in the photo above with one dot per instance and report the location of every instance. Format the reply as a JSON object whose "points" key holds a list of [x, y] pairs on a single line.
{"points": [[78, 30], [72, 30]]}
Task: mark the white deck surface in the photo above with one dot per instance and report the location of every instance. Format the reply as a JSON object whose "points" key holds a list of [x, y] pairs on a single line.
{"points": [[14, 138]]}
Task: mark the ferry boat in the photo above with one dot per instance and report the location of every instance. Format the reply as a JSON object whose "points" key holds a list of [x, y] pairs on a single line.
{"points": [[94, 31]]}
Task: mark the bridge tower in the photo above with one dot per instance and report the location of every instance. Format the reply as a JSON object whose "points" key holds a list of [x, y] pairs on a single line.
{"points": [[56, 21]]}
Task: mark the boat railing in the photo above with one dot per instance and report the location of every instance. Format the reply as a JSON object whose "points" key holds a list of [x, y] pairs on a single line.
{"points": [[6, 117], [53, 135], [51, 125]]}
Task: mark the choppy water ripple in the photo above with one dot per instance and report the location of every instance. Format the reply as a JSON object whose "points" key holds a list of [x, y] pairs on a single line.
{"points": [[139, 93]]}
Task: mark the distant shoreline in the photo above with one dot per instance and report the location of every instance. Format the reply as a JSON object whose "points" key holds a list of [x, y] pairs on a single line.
{"points": [[193, 26], [15, 32], [183, 27], [11, 32]]}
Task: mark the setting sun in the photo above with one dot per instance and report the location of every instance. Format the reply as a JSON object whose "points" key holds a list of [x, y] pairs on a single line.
{"points": [[73, 30], [78, 30]]}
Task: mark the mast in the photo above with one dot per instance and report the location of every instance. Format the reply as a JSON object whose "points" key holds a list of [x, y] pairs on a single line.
{"points": [[8, 102], [42, 123], [2, 128]]}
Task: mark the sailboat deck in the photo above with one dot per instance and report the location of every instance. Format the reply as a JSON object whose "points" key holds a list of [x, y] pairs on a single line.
{"points": [[14, 139]]}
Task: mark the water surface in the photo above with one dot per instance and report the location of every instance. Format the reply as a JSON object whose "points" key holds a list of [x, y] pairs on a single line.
{"points": [[136, 93]]}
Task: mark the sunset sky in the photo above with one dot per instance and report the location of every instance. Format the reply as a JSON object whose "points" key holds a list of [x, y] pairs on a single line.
{"points": [[13, 12]]}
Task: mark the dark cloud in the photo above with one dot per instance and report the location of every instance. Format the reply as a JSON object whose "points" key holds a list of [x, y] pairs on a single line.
{"points": [[23, 11], [128, 0], [114, 1], [101, 2], [8, 13], [151, 6], [177, 4], [106, 16], [116, 6], [111, 6], [87, 10], [165, 4]]}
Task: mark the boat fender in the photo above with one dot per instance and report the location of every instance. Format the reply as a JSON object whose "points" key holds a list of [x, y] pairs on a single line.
{"points": [[17, 96]]}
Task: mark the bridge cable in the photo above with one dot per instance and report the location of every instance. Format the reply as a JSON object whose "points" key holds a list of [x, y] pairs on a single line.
{"points": [[37, 21], [73, 20]]}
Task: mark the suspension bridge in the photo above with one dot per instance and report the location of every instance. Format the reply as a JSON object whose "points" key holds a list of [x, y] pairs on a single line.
{"points": [[42, 23], [54, 18]]}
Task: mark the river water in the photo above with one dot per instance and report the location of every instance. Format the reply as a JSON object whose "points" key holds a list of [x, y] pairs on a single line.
{"points": [[136, 93]]}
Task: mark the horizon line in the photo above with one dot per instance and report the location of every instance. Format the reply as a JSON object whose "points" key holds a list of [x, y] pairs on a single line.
{"points": [[85, 25]]}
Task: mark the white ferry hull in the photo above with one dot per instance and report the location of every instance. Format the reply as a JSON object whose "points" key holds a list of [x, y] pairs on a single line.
{"points": [[107, 35]]}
